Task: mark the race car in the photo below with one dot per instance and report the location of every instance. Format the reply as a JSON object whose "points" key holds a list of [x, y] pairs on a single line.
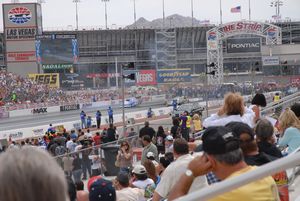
{"points": [[131, 102], [180, 100]]}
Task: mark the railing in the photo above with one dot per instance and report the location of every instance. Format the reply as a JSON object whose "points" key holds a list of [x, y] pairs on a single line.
{"points": [[236, 182], [287, 100], [289, 163]]}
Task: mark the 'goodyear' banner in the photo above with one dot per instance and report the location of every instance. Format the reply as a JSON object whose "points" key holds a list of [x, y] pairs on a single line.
{"points": [[174, 75], [50, 79]]}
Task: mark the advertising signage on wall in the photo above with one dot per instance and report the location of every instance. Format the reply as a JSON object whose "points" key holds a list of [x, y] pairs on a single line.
{"points": [[56, 66], [50, 79], [145, 77], [174, 75], [20, 33], [241, 45], [20, 56]]}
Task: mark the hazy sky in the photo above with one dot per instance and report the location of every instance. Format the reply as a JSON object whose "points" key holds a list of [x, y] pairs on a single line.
{"points": [[61, 13]]}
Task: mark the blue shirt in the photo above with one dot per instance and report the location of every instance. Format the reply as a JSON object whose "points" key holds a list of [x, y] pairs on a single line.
{"points": [[98, 115], [110, 112], [291, 138], [82, 115]]}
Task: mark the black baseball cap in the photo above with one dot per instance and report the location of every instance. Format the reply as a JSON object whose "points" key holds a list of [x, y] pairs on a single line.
{"points": [[219, 140], [123, 178]]}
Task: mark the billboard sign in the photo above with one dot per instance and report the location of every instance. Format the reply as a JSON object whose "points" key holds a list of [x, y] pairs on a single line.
{"points": [[145, 77], [242, 45], [18, 33], [19, 15], [270, 60], [56, 66], [212, 40], [20, 56], [174, 75], [50, 79], [56, 49]]}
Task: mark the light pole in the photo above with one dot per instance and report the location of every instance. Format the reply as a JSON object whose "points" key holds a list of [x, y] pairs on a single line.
{"points": [[277, 4], [134, 14], [105, 12], [164, 17], [221, 15], [192, 10], [76, 4]]}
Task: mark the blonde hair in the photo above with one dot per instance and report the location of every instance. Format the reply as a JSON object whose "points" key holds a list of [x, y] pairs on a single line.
{"points": [[196, 117], [288, 119], [31, 174], [233, 104]]}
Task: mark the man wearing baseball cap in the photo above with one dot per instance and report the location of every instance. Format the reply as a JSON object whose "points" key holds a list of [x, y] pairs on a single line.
{"points": [[169, 143], [223, 156]]}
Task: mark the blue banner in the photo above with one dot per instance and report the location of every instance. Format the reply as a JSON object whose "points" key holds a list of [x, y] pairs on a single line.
{"points": [[174, 75]]}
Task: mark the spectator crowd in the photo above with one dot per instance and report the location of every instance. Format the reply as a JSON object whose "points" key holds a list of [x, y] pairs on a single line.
{"points": [[236, 140]]}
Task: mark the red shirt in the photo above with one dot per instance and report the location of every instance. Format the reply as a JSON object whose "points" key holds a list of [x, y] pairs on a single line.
{"points": [[97, 139]]}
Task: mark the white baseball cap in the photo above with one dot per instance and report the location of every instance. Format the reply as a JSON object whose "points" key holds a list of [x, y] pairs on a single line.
{"points": [[169, 138]]}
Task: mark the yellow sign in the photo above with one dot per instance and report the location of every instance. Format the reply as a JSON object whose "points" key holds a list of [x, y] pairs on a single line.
{"points": [[50, 79]]}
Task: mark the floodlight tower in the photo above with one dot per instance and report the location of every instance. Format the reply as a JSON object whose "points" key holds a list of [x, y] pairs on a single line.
{"points": [[277, 4], [105, 1], [76, 4]]}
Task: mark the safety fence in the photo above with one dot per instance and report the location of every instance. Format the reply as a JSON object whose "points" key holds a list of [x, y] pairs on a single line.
{"points": [[290, 164]]}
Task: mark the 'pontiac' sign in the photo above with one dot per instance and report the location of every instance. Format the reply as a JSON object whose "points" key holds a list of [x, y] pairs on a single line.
{"points": [[241, 45]]}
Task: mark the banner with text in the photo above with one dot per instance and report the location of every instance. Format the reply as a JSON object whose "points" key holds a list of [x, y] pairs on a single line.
{"points": [[50, 79], [173, 75], [241, 45]]}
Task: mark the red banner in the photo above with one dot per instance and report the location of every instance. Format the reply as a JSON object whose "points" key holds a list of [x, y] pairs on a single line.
{"points": [[146, 77]]}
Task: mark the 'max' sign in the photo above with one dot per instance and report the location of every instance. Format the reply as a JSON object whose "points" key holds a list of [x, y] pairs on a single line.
{"points": [[241, 45]]}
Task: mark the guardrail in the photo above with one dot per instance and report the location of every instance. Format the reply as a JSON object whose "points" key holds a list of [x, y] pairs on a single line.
{"points": [[291, 162], [230, 184], [287, 100]]}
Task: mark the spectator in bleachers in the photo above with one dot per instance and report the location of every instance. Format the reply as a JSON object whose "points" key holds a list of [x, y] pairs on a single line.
{"points": [[289, 126], [140, 178], [296, 109], [223, 156], [124, 191], [68, 164], [71, 188], [169, 143], [175, 129], [266, 139], [196, 123], [124, 157], [151, 171], [164, 162], [248, 144], [81, 194], [147, 130], [151, 157], [172, 173], [233, 110], [148, 147], [102, 190], [111, 133], [160, 140], [37, 176], [77, 171], [258, 101]]}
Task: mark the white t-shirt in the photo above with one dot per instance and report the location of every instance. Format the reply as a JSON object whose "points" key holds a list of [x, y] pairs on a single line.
{"points": [[216, 120], [173, 173], [143, 184], [130, 194], [96, 161]]}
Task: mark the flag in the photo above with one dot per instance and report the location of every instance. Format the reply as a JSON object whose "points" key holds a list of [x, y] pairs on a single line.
{"points": [[236, 9], [276, 17]]}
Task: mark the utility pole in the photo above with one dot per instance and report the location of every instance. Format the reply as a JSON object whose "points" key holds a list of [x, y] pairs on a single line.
{"points": [[164, 17], [105, 1], [76, 4]]}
